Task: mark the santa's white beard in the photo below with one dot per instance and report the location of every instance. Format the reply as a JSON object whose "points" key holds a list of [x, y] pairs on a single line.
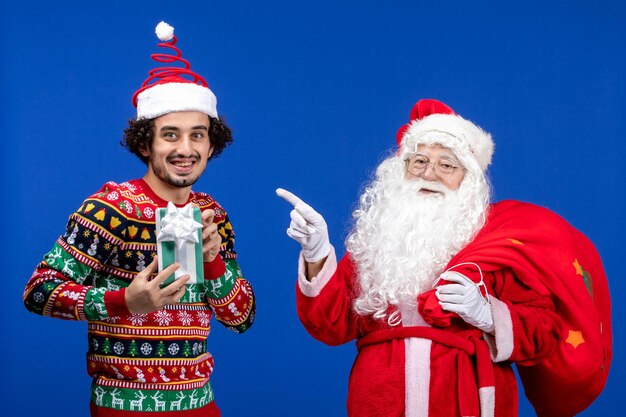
{"points": [[403, 239]]}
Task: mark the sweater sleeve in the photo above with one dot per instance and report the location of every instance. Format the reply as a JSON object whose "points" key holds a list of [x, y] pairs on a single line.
{"points": [[61, 285], [325, 302], [228, 292]]}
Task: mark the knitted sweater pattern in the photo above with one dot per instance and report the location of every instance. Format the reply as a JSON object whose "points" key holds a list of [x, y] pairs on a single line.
{"points": [[139, 362]]}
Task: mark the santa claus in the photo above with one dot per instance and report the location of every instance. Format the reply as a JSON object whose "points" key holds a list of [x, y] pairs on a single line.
{"points": [[430, 286]]}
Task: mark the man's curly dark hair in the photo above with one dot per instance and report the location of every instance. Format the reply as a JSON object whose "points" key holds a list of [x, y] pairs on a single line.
{"points": [[139, 134]]}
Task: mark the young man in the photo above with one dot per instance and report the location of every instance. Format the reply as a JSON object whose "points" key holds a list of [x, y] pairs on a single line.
{"points": [[442, 290], [148, 341]]}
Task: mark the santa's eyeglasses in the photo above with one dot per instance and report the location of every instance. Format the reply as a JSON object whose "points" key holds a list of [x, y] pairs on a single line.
{"points": [[444, 167]]}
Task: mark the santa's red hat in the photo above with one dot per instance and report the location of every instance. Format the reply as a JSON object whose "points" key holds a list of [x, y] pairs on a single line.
{"points": [[171, 88], [434, 122]]}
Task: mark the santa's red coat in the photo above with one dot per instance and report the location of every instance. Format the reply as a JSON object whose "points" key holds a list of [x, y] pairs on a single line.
{"points": [[415, 369]]}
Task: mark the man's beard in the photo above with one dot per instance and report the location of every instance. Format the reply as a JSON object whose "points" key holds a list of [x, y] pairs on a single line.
{"points": [[161, 173], [403, 239]]}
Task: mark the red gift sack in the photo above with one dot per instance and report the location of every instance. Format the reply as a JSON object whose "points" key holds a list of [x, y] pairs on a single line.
{"points": [[552, 257]]}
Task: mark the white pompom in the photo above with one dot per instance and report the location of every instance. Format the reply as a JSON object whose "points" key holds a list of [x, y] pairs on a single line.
{"points": [[164, 32]]}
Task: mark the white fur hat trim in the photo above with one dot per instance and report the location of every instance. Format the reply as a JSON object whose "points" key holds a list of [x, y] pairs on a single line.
{"points": [[451, 131], [172, 97]]}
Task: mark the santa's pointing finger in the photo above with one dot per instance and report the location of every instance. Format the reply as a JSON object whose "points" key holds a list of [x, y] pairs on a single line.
{"points": [[307, 227]]}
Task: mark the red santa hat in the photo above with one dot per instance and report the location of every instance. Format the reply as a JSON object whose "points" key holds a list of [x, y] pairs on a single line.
{"points": [[168, 88], [434, 122]]}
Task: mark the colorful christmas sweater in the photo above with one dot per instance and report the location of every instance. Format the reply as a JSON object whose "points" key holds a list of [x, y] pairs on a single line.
{"points": [[139, 362]]}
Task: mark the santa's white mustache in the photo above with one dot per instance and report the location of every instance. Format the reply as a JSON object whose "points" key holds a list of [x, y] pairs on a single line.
{"points": [[419, 184]]}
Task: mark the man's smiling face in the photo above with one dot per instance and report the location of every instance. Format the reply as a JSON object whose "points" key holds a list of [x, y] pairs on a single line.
{"points": [[180, 148]]}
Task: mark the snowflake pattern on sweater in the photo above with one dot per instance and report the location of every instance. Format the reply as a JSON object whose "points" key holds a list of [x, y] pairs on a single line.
{"points": [[160, 358]]}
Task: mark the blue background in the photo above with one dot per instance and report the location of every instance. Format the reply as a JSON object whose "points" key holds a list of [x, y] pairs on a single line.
{"points": [[314, 92]]}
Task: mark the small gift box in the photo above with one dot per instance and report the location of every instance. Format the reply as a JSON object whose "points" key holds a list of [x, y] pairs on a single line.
{"points": [[179, 239]]}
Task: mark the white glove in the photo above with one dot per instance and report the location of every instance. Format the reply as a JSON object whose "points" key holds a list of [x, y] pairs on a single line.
{"points": [[307, 228], [465, 299]]}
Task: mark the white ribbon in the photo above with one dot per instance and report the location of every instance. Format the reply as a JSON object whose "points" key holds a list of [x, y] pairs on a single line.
{"points": [[179, 226]]}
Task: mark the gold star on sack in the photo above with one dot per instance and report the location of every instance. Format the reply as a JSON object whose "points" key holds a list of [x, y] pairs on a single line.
{"points": [[575, 338], [579, 269]]}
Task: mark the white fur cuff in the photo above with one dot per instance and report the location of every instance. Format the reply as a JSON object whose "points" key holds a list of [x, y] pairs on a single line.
{"points": [[501, 346], [314, 287]]}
